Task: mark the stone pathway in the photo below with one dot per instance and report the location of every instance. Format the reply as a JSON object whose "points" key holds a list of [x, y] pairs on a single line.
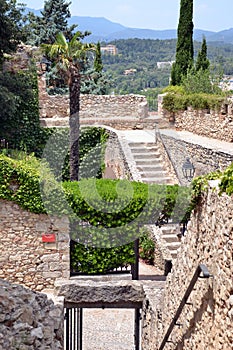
{"points": [[214, 144]]}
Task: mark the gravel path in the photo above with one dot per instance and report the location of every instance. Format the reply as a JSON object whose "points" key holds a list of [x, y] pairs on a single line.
{"points": [[113, 329], [108, 329]]}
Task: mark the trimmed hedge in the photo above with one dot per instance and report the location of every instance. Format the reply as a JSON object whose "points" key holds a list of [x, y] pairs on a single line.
{"points": [[114, 210], [176, 99]]}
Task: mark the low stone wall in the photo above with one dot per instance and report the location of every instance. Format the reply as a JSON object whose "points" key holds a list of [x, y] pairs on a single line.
{"points": [[92, 106], [115, 159], [29, 320], [206, 323], [24, 258], [209, 123], [205, 160], [118, 123]]}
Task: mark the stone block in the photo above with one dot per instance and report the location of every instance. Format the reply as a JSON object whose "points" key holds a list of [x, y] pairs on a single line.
{"points": [[97, 294]]}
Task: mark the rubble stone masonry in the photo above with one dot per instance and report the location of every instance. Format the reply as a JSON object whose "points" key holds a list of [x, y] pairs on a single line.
{"points": [[92, 107], [24, 258], [206, 322], [209, 123], [29, 320]]}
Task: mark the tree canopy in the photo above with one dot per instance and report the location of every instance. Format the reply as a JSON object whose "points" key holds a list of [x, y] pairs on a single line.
{"points": [[12, 29], [202, 61], [52, 21]]}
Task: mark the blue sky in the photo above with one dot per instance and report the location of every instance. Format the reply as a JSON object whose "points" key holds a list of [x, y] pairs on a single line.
{"points": [[214, 15]]}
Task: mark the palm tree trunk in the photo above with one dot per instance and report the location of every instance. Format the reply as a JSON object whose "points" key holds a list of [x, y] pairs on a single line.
{"points": [[74, 90]]}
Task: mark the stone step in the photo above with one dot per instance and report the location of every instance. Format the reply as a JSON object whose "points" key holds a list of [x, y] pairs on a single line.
{"points": [[170, 228], [156, 180], [172, 245], [146, 156], [143, 149], [170, 238], [152, 174], [155, 161], [150, 167], [142, 144]]}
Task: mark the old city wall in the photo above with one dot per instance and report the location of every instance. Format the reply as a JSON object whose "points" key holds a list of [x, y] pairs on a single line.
{"points": [[24, 258], [206, 323], [210, 123]]}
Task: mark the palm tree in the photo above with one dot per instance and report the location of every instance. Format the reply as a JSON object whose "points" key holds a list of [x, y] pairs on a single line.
{"points": [[70, 57]]}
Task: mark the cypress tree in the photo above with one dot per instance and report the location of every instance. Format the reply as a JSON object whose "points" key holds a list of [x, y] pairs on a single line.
{"points": [[184, 47], [202, 60], [98, 65]]}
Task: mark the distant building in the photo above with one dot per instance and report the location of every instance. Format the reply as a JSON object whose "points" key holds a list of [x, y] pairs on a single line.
{"points": [[166, 64], [226, 83], [110, 49], [130, 71]]}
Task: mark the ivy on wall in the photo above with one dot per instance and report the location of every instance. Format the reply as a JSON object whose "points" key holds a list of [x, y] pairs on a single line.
{"points": [[19, 115]]}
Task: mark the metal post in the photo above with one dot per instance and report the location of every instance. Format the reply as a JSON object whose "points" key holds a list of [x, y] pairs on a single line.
{"points": [[135, 273], [80, 329], [137, 329], [67, 330]]}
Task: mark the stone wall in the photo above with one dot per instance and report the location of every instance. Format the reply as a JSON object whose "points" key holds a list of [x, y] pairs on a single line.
{"points": [[209, 123], [115, 160], [24, 258], [206, 323], [205, 160], [29, 320], [92, 106]]}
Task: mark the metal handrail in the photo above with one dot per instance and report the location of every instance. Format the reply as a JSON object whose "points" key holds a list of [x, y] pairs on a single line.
{"points": [[201, 272]]}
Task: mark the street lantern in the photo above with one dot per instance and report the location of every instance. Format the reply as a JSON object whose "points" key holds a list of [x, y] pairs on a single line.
{"points": [[188, 170]]}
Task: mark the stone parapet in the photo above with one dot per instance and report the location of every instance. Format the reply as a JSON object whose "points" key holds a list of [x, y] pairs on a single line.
{"points": [[205, 160], [92, 106], [118, 123], [217, 124]]}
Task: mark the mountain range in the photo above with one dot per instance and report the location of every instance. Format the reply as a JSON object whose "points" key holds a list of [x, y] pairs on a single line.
{"points": [[103, 29]]}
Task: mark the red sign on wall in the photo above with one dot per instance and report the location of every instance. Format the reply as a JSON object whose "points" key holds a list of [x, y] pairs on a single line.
{"points": [[48, 237]]}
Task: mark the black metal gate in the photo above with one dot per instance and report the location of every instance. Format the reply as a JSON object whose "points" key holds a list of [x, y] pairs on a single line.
{"points": [[73, 328]]}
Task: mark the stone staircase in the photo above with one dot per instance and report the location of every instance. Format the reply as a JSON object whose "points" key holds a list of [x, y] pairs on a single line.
{"points": [[148, 162], [169, 234]]}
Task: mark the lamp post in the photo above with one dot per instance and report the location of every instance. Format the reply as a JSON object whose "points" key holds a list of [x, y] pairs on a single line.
{"points": [[188, 170], [44, 64]]}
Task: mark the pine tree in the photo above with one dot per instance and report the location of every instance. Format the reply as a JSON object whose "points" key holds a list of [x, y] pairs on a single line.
{"points": [[202, 60], [52, 21], [184, 47]]}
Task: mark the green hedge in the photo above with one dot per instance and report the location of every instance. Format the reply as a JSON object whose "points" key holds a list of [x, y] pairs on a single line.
{"points": [[114, 209], [176, 99]]}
